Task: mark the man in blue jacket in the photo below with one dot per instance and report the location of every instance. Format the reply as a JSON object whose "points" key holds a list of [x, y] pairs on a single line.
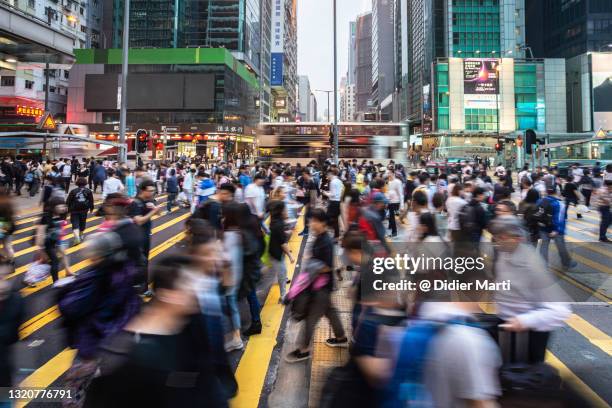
{"points": [[551, 210]]}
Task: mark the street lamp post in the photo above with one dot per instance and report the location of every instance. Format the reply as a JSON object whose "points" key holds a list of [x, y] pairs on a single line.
{"points": [[335, 128], [124, 74]]}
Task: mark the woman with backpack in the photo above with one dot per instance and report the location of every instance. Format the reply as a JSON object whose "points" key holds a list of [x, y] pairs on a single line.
{"points": [[80, 201], [54, 188]]}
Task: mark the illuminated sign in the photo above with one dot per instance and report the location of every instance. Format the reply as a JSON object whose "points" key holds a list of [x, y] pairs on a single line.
{"points": [[29, 111], [602, 90], [47, 122], [480, 76]]}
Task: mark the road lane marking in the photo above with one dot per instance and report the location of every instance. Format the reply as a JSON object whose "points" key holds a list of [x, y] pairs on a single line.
{"points": [[253, 366], [571, 378], [591, 333], [52, 313], [27, 291], [48, 373], [595, 293], [595, 247], [34, 219], [71, 250]]}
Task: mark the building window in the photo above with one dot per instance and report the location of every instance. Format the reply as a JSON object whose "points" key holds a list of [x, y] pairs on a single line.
{"points": [[7, 81], [66, 74], [29, 84], [32, 3]]}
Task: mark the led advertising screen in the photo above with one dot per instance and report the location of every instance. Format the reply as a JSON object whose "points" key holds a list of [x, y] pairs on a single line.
{"points": [[480, 76], [602, 91]]}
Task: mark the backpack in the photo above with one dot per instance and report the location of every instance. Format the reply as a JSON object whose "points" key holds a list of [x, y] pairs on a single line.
{"points": [[544, 214], [57, 192], [29, 177], [406, 387], [80, 200], [467, 218]]}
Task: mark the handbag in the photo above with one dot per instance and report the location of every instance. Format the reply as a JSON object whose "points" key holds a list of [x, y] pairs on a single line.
{"points": [[37, 272]]}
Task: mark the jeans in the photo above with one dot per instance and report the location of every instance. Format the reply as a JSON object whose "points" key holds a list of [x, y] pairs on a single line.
{"points": [[393, 208], [280, 268], [254, 306], [18, 185], [587, 196], [234, 312], [171, 200], [559, 240], [606, 218]]}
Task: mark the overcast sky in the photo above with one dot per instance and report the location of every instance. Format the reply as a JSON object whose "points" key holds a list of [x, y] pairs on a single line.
{"points": [[315, 43]]}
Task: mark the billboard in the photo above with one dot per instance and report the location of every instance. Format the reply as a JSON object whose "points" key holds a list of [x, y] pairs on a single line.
{"points": [[602, 91], [480, 76], [276, 69]]}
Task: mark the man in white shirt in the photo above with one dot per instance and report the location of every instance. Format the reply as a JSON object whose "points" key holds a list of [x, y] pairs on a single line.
{"points": [[336, 188], [255, 197], [395, 195], [65, 172], [112, 184]]}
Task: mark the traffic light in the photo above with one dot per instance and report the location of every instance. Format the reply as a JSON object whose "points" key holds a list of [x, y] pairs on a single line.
{"points": [[530, 140], [499, 146], [142, 141]]}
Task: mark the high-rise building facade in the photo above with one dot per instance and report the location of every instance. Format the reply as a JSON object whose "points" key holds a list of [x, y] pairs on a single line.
{"points": [[568, 28], [266, 44], [231, 24], [283, 65], [313, 116], [304, 93], [352, 56], [458, 28], [56, 28], [363, 65], [383, 64]]}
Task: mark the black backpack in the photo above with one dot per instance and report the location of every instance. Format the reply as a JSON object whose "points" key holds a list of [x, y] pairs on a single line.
{"points": [[81, 200], [468, 219], [544, 215]]}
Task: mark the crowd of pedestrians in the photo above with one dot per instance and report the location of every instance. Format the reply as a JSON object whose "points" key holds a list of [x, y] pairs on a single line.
{"points": [[173, 351]]}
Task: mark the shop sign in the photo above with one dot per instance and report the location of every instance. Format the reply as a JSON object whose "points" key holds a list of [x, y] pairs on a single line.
{"points": [[29, 111]]}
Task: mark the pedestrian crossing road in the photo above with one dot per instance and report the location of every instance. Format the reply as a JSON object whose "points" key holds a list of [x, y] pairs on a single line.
{"points": [[582, 350]]}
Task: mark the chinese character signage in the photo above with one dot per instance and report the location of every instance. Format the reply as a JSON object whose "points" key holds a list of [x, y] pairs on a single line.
{"points": [[29, 111], [480, 76], [276, 68]]}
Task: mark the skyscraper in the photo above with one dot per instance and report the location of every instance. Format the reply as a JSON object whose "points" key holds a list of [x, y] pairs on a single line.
{"points": [[303, 97], [231, 24], [565, 29], [283, 65], [383, 69], [457, 28], [363, 66], [352, 55]]}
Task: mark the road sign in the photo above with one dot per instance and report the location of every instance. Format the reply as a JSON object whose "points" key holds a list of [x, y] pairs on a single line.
{"points": [[601, 134], [47, 122]]}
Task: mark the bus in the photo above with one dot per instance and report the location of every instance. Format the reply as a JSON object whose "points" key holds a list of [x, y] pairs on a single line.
{"points": [[300, 142]]}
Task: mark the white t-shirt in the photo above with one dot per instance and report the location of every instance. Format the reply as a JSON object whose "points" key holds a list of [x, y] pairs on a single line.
{"points": [[111, 185], [255, 197], [454, 205]]}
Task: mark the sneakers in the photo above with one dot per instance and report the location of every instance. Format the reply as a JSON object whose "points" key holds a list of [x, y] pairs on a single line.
{"points": [[337, 342], [296, 356], [571, 265], [604, 240], [234, 344], [254, 328], [303, 233]]}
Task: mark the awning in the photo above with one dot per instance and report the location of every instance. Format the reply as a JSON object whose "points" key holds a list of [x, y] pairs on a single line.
{"points": [[113, 151]]}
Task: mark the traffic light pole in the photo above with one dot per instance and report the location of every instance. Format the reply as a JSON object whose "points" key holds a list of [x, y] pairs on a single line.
{"points": [[335, 127], [124, 73]]}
